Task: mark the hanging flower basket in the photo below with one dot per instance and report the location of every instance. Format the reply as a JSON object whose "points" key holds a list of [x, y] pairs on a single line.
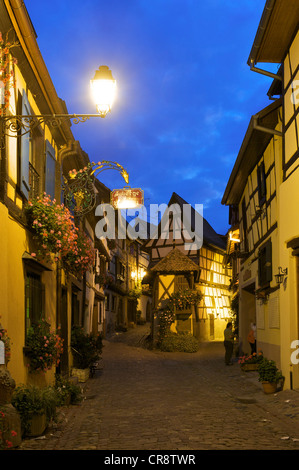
{"points": [[43, 347], [57, 234]]}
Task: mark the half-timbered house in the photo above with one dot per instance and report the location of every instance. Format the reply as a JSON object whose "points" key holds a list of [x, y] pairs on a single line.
{"points": [[253, 242], [177, 263], [262, 193]]}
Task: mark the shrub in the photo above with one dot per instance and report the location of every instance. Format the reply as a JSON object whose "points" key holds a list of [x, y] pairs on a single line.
{"points": [[182, 342], [43, 347], [86, 348], [268, 371], [29, 400], [65, 390]]}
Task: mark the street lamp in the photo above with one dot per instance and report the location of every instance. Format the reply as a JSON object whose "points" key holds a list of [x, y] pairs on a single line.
{"points": [[103, 87]]}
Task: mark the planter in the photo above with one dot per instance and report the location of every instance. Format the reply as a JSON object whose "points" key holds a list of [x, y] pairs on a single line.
{"points": [[269, 387], [5, 395], [37, 425], [249, 367], [81, 374]]}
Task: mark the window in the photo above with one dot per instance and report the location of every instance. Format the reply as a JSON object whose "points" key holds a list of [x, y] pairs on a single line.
{"points": [[265, 264], [113, 306], [50, 170], [25, 151], [107, 302], [181, 283], [261, 183], [34, 299], [36, 163]]}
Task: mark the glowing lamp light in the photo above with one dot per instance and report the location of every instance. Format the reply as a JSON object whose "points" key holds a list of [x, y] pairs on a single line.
{"points": [[103, 89], [233, 238], [127, 198]]}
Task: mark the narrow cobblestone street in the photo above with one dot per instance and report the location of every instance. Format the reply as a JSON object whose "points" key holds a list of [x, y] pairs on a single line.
{"points": [[151, 400]]}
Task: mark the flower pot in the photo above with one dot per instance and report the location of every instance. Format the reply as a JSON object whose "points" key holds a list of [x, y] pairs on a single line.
{"points": [[5, 395], [249, 367], [81, 374], [269, 387], [37, 425]]}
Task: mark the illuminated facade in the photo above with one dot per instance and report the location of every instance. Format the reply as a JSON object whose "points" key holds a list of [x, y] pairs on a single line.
{"points": [[176, 266], [32, 164], [262, 193]]}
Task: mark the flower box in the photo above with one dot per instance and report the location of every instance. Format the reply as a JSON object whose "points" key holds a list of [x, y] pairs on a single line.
{"points": [[81, 374], [5, 395], [269, 387]]}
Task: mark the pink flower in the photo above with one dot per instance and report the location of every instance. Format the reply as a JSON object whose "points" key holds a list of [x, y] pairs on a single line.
{"points": [[33, 254]]}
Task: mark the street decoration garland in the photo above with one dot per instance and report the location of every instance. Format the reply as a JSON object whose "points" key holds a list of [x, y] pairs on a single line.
{"points": [[58, 236]]}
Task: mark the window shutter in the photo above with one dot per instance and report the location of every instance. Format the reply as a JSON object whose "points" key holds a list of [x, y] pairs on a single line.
{"points": [[25, 151], [261, 178], [269, 262], [265, 264], [50, 170]]}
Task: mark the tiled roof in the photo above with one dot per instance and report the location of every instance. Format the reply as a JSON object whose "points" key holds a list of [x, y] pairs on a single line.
{"points": [[175, 261]]}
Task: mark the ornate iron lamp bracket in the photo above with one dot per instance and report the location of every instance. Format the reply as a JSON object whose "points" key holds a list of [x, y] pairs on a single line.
{"points": [[79, 190], [15, 126]]}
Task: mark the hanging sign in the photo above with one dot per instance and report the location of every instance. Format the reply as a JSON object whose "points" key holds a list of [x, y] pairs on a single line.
{"points": [[126, 198]]}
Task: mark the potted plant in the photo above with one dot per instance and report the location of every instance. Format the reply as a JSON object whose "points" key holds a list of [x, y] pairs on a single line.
{"points": [[58, 237], [28, 401], [8, 437], [36, 406], [269, 375], [86, 351], [43, 347], [68, 393], [7, 386], [251, 362]]}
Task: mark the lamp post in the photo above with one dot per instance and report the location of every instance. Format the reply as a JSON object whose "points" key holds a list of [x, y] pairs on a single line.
{"points": [[103, 89]]}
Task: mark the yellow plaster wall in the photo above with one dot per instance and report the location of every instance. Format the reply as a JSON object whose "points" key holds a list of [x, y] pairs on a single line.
{"points": [[289, 229], [13, 241]]}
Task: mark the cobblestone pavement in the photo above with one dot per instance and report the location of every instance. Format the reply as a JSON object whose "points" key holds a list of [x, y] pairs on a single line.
{"points": [[151, 400]]}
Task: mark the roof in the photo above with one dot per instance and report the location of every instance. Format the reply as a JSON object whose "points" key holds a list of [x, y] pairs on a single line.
{"points": [[252, 148], [210, 237], [277, 27], [175, 262]]}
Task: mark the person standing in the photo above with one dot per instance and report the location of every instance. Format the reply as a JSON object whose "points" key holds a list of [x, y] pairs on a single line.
{"points": [[228, 343], [251, 338]]}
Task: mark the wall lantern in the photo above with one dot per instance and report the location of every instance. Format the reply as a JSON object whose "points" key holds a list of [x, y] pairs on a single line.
{"points": [[281, 274], [103, 89]]}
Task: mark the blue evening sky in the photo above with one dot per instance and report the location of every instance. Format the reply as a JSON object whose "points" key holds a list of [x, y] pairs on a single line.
{"points": [[185, 91]]}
